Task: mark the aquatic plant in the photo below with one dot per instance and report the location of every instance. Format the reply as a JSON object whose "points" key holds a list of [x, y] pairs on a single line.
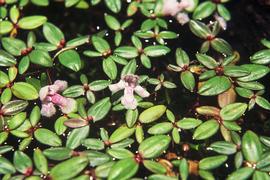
{"points": [[155, 109]]}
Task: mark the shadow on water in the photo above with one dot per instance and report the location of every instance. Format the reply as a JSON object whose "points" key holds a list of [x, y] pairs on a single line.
{"points": [[250, 23]]}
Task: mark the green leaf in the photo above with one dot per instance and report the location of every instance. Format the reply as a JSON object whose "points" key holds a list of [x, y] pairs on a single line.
{"points": [[74, 91], [206, 175], [4, 80], [232, 112], [123, 169], [130, 68], [58, 154], [168, 35], [212, 162], [71, 59], [110, 68], [40, 2], [103, 170], [6, 27], [31, 22], [120, 153], [97, 158], [182, 58], [160, 128], [6, 167], [148, 25], [114, 5], [112, 22], [262, 102], [223, 11], [121, 133], [223, 147], [204, 10], [264, 162], [256, 72], [14, 107], [207, 61], [222, 46], [78, 41], [40, 161], [16, 120], [235, 71], [128, 52], [73, 166], [92, 143], [215, 86], [188, 123], [184, 169], [22, 162], [6, 96], [99, 85], [261, 57], [100, 109], [52, 33], [47, 137], [41, 57], [6, 59], [154, 146], [131, 117], [100, 44], [206, 130], [241, 174], [199, 29], [156, 51], [154, 167], [69, 3], [24, 91], [76, 136], [258, 175], [13, 46], [188, 80], [152, 114], [251, 147]]}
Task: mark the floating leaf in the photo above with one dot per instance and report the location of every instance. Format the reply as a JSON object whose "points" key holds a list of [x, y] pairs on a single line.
{"points": [[152, 114], [47, 137], [154, 146], [70, 59]]}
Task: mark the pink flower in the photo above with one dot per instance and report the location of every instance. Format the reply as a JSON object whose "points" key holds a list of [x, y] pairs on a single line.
{"points": [[130, 84], [222, 22], [182, 18], [50, 97], [172, 7]]}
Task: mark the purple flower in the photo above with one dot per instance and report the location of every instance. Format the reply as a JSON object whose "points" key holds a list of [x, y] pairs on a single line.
{"points": [[130, 84], [50, 97]]}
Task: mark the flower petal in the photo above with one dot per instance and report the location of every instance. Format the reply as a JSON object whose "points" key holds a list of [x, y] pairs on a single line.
{"points": [[117, 87], [128, 100], [172, 7], [62, 85], [141, 91], [44, 91], [69, 107], [182, 18], [47, 109]]}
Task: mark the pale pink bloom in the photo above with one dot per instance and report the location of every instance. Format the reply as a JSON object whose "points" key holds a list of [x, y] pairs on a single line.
{"points": [[222, 22], [182, 18], [130, 84], [50, 97], [172, 7]]}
